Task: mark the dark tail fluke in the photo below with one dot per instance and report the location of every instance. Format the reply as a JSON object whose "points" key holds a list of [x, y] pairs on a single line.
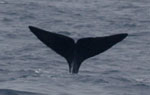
{"points": [[59, 43], [89, 47], [76, 53]]}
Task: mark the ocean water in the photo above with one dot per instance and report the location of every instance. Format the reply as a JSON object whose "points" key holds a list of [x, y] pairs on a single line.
{"points": [[28, 67]]}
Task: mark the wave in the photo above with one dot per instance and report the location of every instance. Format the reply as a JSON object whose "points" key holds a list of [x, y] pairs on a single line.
{"points": [[16, 92]]}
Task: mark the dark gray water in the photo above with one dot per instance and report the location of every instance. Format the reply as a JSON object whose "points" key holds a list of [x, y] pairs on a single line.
{"points": [[27, 67]]}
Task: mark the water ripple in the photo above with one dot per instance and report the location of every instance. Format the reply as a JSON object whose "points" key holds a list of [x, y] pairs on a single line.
{"points": [[17, 92]]}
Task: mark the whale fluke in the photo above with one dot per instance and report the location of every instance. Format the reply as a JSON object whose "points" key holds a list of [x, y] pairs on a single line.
{"points": [[59, 43], [76, 53]]}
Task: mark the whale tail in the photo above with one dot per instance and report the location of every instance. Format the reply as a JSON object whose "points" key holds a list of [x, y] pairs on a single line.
{"points": [[76, 53]]}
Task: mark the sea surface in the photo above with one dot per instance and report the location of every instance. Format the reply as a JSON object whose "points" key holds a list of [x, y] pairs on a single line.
{"points": [[28, 67]]}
